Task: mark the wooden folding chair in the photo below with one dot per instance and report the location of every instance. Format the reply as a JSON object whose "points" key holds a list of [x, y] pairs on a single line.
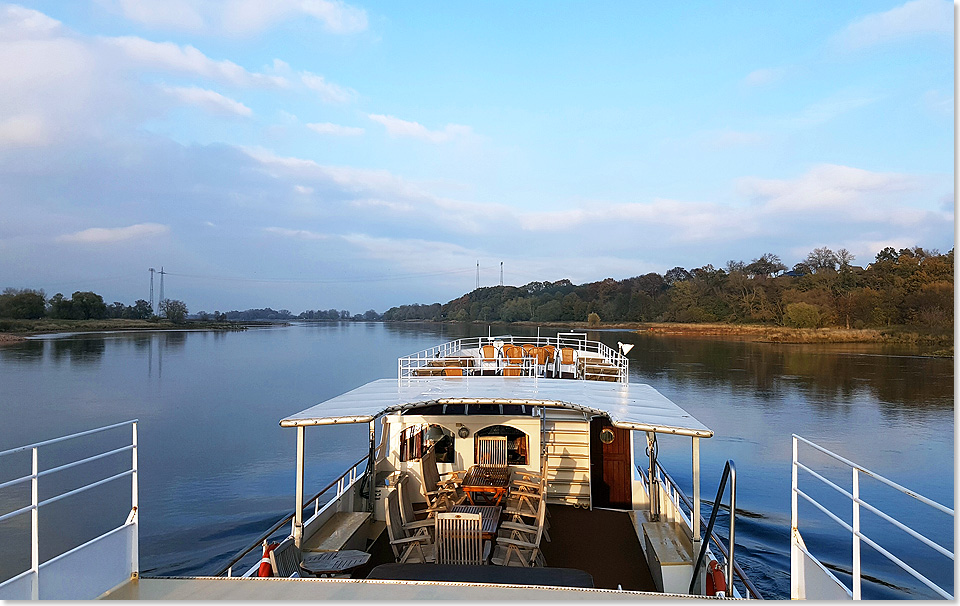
{"points": [[406, 547], [412, 525], [459, 539], [440, 494], [492, 451], [519, 544]]}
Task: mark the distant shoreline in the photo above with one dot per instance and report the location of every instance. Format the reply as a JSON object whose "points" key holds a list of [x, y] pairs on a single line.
{"points": [[16, 331]]}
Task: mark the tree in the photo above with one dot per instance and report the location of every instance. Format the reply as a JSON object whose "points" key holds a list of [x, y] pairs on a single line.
{"points": [[802, 315], [844, 258], [141, 310], [88, 305], [24, 304], [677, 274], [593, 319], [822, 258], [173, 310], [768, 264], [60, 307]]}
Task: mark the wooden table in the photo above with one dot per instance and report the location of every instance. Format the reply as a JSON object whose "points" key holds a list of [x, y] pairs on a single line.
{"points": [[489, 517], [490, 483], [334, 562]]}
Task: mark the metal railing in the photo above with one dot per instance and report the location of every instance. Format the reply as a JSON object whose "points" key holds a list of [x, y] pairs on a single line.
{"points": [[342, 483], [857, 503], [729, 471], [411, 365], [72, 570], [676, 496]]}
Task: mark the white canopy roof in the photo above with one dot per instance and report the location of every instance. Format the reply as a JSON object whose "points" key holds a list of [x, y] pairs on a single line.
{"points": [[630, 406]]}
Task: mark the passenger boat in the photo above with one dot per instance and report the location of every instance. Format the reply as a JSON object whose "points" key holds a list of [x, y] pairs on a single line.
{"points": [[498, 467]]}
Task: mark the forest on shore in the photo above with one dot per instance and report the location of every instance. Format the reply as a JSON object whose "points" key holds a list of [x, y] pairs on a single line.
{"points": [[911, 287]]}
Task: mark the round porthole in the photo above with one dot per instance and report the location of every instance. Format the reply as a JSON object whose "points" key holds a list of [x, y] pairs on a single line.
{"points": [[463, 432], [606, 436]]}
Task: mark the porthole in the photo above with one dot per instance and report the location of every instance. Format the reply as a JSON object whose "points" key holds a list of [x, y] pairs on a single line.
{"points": [[606, 436]]}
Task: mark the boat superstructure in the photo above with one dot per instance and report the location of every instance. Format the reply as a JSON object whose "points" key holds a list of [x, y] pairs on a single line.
{"points": [[556, 413]]}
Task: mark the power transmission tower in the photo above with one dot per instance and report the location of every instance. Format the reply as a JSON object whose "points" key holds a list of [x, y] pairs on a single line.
{"points": [[501, 274], [478, 275], [160, 302], [151, 287]]}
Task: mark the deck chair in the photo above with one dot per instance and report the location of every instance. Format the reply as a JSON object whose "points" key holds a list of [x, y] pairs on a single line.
{"points": [[527, 491], [412, 525], [519, 544], [567, 361], [406, 547], [551, 353], [488, 360], [460, 539], [285, 560], [450, 371], [441, 495], [513, 361], [538, 360], [492, 451]]}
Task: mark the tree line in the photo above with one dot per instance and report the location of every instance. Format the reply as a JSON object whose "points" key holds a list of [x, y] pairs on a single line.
{"points": [[910, 286], [30, 304]]}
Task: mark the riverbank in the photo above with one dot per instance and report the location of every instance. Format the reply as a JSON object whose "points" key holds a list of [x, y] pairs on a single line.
{"points": [[16, 331]]}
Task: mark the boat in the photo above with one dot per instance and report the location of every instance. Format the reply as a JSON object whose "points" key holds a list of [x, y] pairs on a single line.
{"points": [[497, 467]]}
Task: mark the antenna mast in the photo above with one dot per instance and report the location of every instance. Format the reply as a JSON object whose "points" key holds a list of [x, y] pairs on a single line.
{"points": [[501, 274], [478, 275], [151, 287]]}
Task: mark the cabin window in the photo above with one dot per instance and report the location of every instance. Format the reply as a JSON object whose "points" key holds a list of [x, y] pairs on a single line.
{"points": [[517, 442], [416, 439]]}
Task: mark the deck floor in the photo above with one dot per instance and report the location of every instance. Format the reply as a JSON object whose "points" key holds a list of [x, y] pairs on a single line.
{"points": [[601, 542]]}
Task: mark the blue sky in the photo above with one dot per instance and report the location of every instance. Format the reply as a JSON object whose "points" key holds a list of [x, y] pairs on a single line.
{"points": [[307, 154]]}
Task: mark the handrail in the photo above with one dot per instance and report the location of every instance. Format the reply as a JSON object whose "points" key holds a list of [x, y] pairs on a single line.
{"points": [[857, 501], [240, 555], [729, 470], [712, 536]]}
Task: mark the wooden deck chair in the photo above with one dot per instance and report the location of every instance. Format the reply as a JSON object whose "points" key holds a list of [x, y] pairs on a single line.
{"points": [[413, 526], [488, 360], [567, 361], [551, 354], [460, 539], [406, 547], [519, 544], [526, 497], [492, 451], [441, 495], [285, 560], [513, 361], [453, 372], [539, 361]]}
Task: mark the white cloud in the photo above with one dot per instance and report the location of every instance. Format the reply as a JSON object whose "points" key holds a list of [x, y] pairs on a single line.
{"points": [[404, 128], [19, 23], [167, 14], [326, 128], [764, 76], [187, 59], [914, 18], [328, 91], [303, 189], [209, 100], [24, 130], [108, 235], [300, 234], [239, 17]]}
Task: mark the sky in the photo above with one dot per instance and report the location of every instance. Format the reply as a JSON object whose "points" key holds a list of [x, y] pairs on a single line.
{"points": [[316, 154]]}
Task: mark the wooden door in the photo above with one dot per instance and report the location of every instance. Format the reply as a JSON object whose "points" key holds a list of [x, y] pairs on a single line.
{"points": [[610, 473]]}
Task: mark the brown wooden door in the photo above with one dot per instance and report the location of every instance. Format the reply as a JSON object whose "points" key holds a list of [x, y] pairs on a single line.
{"points": [[610, 473]]}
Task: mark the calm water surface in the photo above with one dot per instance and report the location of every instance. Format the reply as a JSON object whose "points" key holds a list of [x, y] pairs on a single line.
{"points": [[216, 469]]}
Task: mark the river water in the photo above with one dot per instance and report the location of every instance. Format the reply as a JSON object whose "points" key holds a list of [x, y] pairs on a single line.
{"points": [[216, 469]]}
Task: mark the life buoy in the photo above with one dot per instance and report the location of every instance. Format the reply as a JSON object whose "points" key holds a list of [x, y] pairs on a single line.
{"points": [[266, 570], [716, 582]]}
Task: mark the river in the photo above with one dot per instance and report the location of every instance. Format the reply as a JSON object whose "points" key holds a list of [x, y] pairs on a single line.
{"points": [[216, 469]]}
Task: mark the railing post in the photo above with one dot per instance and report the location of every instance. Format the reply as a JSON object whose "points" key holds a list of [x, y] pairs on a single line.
{"points": [[695, 513], [733, 519], [856, 533], [298, 511], [35, 530], [795, 588]]}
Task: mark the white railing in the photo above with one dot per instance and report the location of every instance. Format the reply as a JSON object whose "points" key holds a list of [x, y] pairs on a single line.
{"points": [[88, 570], [798, 550], [411, 365]]}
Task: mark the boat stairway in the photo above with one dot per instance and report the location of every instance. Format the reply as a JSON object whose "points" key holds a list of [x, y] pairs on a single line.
{"points": [[566, 434]]}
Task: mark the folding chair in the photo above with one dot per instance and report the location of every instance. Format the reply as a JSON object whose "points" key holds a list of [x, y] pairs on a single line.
{"points": [[460, 539], [406, 547]]}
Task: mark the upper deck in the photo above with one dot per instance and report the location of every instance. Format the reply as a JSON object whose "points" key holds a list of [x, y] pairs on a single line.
{"points": [[567, 355]]}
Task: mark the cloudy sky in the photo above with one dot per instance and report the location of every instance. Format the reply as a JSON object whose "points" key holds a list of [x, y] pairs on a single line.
{"points": [[308, 154]]}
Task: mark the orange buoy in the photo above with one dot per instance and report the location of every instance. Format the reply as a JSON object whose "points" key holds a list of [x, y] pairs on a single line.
{"points": [[266, 570], [716, 582]]}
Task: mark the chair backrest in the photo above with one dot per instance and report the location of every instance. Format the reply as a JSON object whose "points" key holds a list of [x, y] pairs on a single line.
{"points": [[452, 372], [489, 352], [513, 353], [492, 451], [550, 349], [394, 523], [429, 473], [459, 539], [566, 355], [407, 513], [540, 353], [285, 559], [528, 348]]}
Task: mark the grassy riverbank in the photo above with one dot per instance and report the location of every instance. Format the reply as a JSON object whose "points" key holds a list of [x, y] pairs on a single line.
{"points": [[15, 331]]}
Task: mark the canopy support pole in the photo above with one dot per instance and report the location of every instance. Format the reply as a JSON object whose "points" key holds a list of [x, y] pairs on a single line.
{"points": [[372, 466], [652, 477], [695, 514], [298, 511]]}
